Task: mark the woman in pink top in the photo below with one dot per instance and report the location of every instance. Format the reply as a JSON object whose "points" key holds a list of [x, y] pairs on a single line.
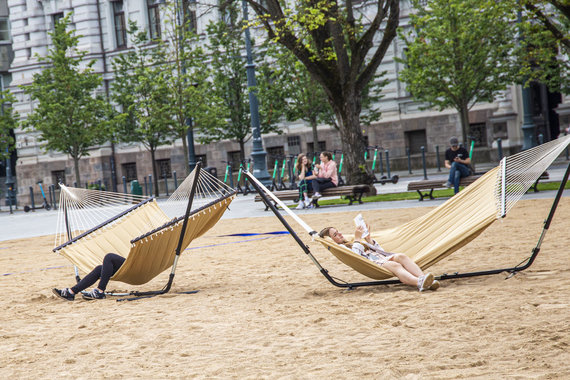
{"points": [[327, 176]]}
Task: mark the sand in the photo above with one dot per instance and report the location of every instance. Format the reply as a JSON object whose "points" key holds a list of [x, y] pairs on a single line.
{"points": [[263, 310]]}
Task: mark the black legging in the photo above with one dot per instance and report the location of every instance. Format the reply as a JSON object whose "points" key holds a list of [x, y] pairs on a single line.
{"points": [[320, 184], [111, 264]]}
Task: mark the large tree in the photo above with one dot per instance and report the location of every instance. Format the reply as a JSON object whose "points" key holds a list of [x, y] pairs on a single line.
{"points": [[193, 105], [142, 93], [8, 121], [230, 84], [68, 115], [341, 43], [459, 52]]}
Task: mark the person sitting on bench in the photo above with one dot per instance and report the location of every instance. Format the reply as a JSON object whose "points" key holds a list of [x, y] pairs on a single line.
{"points": [[305, 174], [407, 271], [326, 176], [457, 161]]}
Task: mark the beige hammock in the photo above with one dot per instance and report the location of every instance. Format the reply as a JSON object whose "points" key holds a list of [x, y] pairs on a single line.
{"points": [[435, 235], [144, 234]]}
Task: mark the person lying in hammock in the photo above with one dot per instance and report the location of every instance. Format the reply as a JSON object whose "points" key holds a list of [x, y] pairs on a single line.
{"points": [[111, 264], [407, 271]]}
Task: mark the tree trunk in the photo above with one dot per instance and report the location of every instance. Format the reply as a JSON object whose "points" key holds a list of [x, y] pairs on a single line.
{"points": [[241, 150], [348, 117], [464, 118], [186, 154], [154, 171], [77, 176]]}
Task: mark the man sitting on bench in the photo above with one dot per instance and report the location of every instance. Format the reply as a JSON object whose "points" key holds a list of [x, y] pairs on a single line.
{"points": [[457, 161]]}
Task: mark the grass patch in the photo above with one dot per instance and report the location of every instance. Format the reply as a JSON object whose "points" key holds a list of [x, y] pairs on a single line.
{"points": [[444, 193]]}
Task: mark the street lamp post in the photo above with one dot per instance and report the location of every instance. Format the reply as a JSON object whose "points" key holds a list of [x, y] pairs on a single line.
{"points": [[528, 127], [258, 154]]}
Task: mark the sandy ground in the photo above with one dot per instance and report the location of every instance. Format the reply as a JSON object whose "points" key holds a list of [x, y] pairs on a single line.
{"points": [[263, 310]]}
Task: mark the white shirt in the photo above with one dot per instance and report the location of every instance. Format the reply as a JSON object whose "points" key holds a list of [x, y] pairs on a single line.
{"points": [[372, 252]]}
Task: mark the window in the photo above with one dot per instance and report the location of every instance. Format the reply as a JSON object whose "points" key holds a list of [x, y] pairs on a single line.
{"points": [[190, 15], [130, 171], [234, 158], [4, 30], [153, 19], [478, 133], [321, 148], [294, 143], [120, 25], [202, 158], [163, 167], [56, 18], [58, 176], [415, 140]]}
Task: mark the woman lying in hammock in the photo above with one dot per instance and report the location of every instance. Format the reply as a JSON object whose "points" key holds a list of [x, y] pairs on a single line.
{"points": [[407, 271], [111, 264]]}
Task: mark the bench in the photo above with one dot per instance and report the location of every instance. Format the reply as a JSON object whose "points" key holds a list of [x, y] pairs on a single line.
{"points": [[421, 186], [430, 185], [352, 192]]}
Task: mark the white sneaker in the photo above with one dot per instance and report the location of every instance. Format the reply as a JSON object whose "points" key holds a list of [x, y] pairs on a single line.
{"points": [[317, 195], [425, 281], [301, 205], [308, 201]]}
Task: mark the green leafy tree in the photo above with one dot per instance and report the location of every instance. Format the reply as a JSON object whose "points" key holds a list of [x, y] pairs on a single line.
{"points": [[230, 85], [68, 115], [459, 52], [545, 42], [8, 121], [341, 43], [193, 104], [142, 93]]}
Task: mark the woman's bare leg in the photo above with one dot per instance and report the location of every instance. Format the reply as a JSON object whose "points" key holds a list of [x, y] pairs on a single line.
{"points": [[408, 264], [402, 273]]}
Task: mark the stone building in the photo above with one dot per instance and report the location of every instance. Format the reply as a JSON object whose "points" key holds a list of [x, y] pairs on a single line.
{"points": [[102, 23]]}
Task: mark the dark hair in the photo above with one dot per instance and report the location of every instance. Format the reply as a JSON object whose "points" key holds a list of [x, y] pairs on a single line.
{"points": [[327, 155], [299, 162], [325, 232]]}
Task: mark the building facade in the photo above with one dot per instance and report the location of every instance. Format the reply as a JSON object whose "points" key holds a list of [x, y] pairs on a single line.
{"points": [[404, 125]]}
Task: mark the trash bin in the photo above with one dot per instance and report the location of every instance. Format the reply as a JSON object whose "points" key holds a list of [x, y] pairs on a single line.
{"points": [[136, 188], [212, 170]]}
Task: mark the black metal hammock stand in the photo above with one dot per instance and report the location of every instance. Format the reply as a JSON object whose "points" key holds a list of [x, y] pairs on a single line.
{"points": [[263, 192]]}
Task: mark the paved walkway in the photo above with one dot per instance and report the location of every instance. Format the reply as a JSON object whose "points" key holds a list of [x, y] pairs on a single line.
{"points": [[21, 225]]}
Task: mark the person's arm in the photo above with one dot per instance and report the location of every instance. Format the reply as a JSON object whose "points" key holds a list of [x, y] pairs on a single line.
{"points": [[328, 170], [302, 173], [466, 161], [447, 164]]}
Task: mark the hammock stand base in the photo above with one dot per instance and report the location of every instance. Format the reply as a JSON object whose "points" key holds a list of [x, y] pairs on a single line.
{"points": [[166, 289], [351, 285]]}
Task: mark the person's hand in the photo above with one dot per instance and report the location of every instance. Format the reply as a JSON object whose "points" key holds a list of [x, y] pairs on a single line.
{"points": [[318, 166], [368, 238], [358, 233], [457, 159]]}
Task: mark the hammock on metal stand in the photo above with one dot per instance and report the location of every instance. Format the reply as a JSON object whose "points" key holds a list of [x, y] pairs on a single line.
{"points": [[435, 235], [151, 235]]}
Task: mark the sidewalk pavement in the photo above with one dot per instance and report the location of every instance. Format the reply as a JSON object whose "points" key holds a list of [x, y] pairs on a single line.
{"points": [[41, 222]]}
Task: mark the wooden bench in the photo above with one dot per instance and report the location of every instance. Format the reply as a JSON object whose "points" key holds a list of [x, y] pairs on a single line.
{"points": [[422, 186], [352, 192], [430, 185]]}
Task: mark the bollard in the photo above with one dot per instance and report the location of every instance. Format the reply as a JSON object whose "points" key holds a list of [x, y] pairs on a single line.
{"points": [[424, 161], [175, 180], [54, 203], [74, 184], [500, 149], [99, 183], [50, 196], [32, 198], [408, 153], [124, 184], [437, 158], [145, 187], [10, 194], [166, 184], [150, 185], [540, 139], [387, 163]]}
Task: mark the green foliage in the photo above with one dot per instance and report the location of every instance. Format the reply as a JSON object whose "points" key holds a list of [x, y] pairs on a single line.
{"points": [[68, 115], [545, 43], [8, 121], [459, 52], [189, 83], [141, 90], [226, 43]]}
